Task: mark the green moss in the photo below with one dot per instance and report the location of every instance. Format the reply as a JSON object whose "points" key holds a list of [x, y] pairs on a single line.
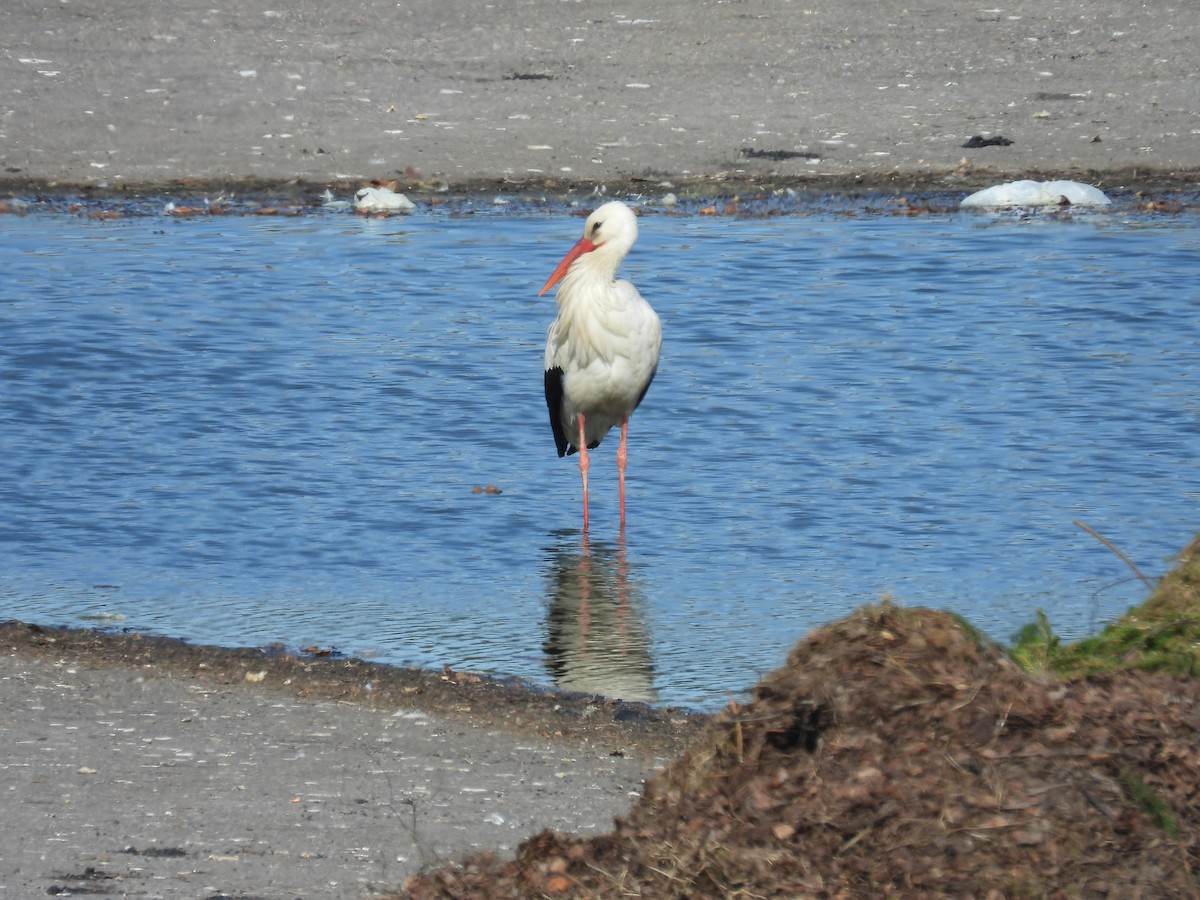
{"points": [[1150, 801], [1161, 635], [1036, 645]]}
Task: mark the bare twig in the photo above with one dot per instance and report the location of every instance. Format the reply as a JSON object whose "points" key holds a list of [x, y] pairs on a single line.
{"points": [[737, 728], [854, 840], [1149, 582]]}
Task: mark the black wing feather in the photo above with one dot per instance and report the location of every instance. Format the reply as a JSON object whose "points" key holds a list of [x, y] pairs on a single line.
{"points": [[554, 396]]}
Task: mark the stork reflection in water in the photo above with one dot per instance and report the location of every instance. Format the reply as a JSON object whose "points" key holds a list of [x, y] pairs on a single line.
{"points": [[596, 640]]}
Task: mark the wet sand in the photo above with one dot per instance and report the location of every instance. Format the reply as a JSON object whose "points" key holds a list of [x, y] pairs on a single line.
{"points": [[145, 770]]}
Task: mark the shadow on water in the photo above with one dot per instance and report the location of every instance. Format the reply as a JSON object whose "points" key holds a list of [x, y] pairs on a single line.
{"points": [[596, 639]]}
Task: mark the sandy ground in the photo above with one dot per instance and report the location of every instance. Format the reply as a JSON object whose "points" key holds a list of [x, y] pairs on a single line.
{"points": [[135, 766], [125, 92], [168, 787], [128, 778]]}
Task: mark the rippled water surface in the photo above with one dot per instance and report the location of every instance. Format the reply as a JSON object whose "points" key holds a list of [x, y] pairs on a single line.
{"points": [[243, 430]]}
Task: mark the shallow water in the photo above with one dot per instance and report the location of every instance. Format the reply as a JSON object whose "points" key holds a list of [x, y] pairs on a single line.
{"points": [[242, 430]]}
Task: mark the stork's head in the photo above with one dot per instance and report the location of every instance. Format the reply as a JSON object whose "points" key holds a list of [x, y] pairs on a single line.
{"points": [[610, 230]]}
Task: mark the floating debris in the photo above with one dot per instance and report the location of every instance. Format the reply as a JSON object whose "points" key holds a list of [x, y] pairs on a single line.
{"points": [[1038, 193], [317, 650], [103, 616], [14, 205], [381, 200], [328, 202]]}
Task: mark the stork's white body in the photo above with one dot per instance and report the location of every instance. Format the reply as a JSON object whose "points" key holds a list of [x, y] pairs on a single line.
{"points": [[602, 349], [606, 342]]}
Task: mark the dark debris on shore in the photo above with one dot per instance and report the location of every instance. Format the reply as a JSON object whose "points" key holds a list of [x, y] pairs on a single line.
{"points": [[721, 194]]}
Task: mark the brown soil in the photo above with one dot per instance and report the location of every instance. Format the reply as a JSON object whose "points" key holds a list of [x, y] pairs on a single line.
{"points": [[897, 754]]}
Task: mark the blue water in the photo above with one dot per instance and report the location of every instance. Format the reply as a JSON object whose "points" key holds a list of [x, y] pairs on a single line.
{"points": [[244, 430]]}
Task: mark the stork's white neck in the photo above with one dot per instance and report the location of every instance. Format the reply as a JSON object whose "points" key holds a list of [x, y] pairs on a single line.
{"points": [[592, 275]]}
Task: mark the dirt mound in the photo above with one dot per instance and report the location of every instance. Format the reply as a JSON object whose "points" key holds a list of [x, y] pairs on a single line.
{"points": [[898, 754]]}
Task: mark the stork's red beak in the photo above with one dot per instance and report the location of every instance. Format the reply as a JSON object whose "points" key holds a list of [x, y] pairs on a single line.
{"points": [[582, 246]]}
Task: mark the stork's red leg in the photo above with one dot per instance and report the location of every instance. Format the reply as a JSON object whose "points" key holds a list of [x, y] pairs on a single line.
{"points": [[622, 455], [583, 469]]}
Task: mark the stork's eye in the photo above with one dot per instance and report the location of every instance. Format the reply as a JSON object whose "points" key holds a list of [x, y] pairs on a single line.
{"points": [[596, 227]]}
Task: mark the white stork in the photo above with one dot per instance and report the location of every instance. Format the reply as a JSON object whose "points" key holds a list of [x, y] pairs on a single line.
{"points": [[602, 347]]}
